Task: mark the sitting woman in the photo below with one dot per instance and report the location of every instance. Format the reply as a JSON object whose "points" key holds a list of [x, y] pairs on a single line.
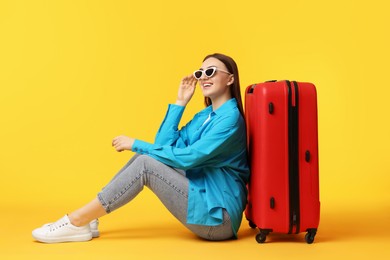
{"points": [[199, 172]]}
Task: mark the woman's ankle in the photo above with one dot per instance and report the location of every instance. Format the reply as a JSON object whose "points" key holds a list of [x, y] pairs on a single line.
{"points": [[76, 220]]}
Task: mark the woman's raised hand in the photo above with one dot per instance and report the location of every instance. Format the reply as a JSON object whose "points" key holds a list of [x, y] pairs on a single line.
{"points": [[186, 90]]}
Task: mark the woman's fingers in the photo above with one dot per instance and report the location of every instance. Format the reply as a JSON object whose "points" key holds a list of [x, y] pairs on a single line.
{"points": [[116, 142], [189, 80], [122, 143]]}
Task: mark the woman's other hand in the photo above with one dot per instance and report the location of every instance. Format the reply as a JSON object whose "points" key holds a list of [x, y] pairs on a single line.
{"points": [[121, 143], [186, 90]]}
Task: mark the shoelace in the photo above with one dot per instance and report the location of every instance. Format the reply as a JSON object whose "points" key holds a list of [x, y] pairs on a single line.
{"points": [[56, 225]]}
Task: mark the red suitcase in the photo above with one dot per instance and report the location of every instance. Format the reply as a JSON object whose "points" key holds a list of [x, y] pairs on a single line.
{"points": [[282, 130]]}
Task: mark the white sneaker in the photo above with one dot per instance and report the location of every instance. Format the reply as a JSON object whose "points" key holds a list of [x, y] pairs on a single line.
{"points": [[93, 225], [62, 231]]}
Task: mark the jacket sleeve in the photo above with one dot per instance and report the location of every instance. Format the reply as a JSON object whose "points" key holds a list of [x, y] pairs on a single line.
{"points": [[168, 132], [202, 153]]}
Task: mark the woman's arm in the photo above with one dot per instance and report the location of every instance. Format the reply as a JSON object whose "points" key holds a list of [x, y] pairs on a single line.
{"points": [[224, 137], [168, 132]]}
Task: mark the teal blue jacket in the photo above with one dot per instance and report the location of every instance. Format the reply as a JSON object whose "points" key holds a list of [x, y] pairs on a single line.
{"points": [[211, 148]]}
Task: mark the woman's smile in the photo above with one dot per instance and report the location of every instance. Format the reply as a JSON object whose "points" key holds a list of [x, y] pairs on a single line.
{"points": [[206, 84]]}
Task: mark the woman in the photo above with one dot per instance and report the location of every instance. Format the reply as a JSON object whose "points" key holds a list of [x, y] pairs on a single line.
{"points": [[198, 172]]}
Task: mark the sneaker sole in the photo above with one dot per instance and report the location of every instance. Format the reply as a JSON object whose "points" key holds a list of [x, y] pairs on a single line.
{"points": [[95, 233], [79, 238]]}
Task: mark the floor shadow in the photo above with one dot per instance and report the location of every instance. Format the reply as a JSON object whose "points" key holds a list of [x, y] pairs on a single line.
{"points": [[347, 224], [250, 233], [338, 225], [147, 232], [335, 225]]}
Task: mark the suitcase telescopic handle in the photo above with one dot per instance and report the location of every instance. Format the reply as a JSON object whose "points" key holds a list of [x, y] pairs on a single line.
{"points": [[251, 89]]}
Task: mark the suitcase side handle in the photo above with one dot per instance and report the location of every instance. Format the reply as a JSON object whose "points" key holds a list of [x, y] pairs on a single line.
{"points": [[272, 203], [271, 108], [307, 156]]}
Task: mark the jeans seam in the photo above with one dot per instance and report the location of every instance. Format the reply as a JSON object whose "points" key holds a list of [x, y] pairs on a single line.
{"points": [[126, 188], [103, 202], [123, 191], [179, 191]]}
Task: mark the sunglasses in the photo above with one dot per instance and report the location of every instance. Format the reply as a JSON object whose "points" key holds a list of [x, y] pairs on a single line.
{"points": [[209, 72]]}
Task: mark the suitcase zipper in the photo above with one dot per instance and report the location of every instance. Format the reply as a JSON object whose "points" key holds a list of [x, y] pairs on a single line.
{"points": [[293, 156]]}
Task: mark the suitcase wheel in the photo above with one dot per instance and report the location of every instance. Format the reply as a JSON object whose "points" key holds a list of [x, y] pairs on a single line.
{"points": [[262, 236], [309, 237]]}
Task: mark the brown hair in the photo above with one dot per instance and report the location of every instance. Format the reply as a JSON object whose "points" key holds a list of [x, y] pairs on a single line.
{"points": [[235, 87]]}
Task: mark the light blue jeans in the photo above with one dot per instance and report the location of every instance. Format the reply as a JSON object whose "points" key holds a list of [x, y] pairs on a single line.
{"points": [[169, 184]]}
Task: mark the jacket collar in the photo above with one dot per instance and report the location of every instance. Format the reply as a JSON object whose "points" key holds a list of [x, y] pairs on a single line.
{"points": [[225, 108]]}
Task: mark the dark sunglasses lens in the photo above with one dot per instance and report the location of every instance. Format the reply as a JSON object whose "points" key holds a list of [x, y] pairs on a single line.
{"points": [[198, 74], [209, 72]]}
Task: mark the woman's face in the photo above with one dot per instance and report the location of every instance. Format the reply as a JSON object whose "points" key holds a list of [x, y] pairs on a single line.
{"points": [[218, 84]]}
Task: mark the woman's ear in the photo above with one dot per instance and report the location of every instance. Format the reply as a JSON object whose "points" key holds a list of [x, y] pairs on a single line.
{"points": [[231, 80]]}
